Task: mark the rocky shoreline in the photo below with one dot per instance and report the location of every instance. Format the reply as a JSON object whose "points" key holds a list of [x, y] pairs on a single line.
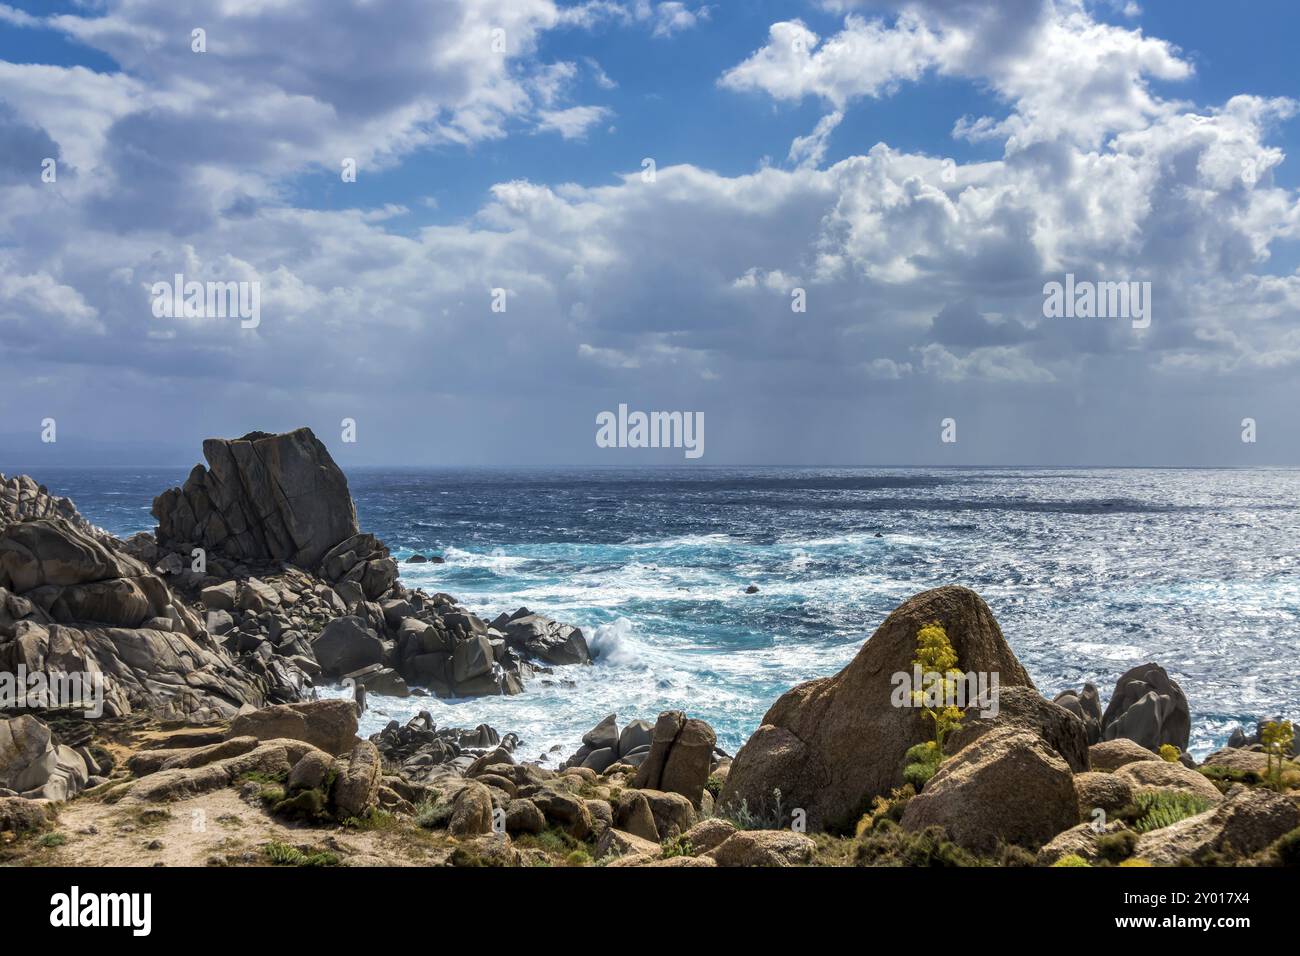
{"points": [[205, 643]]}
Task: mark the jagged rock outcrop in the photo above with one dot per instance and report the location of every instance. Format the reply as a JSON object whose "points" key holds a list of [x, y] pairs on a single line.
{"points": [[831, 745], [262, 498], [22, 499], [1086, 705], [35, 765], [605, 745], [1148, 707], [680, 757], [71, 604]]}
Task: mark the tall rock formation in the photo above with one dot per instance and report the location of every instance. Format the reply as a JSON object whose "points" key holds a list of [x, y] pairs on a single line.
{"points": [[262, 498]]}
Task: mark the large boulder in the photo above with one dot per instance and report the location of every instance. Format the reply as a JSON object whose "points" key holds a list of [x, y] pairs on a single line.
{"points": [[1008, 786], [330, 725], [550, 641], [1086, 705], [764, 848], [1163, 775], [1110, 755], [1026, 709], [681, 752], [1107, 792], [471, 811], [262, 498], [356, 790], [345, 645], [35, 765], [1149, 708], [19, 815], [833, 744], [1244, 824]]}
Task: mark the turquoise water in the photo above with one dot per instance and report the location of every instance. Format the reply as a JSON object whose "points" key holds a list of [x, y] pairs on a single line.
{"points": [[1088, 572]]}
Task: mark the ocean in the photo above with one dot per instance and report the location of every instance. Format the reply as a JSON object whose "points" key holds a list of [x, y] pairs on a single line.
{"points": [[1088, 571]]}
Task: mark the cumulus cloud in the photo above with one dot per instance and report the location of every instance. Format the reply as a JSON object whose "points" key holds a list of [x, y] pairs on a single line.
{"points": [[922, 277]]}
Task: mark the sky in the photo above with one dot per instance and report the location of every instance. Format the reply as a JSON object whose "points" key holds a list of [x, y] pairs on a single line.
{"points": [[826, 227]]}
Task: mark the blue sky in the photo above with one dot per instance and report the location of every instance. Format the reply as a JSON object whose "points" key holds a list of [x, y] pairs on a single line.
{"points": [[799, 146]]}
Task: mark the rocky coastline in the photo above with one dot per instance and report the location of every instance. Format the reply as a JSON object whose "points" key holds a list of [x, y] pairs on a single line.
{"points": [[205, 643]]}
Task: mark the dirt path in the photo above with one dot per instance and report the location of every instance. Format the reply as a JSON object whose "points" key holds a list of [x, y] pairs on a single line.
{"points": [[214, 829]]}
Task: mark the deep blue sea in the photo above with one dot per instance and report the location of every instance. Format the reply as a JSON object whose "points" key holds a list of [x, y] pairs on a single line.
{"points": [[1088, 571]]}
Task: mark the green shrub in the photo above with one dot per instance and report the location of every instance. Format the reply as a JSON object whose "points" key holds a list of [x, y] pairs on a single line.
{"points": [[923, 762], [885, 809], [282, 854], [935, 655], [766, 817], [678, 846], [1117, 846], [463, 856], [431, 814], [578, 858], [1286, 850], [1011, 855], [1278, 737], [1072, 859], [1169, 752], [551, 840], [1160, 808], [1224, 777], [713, 785], [309, 805], [891, 845]]}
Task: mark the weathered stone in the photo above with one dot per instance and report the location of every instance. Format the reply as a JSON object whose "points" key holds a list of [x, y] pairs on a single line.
{"points": [[1008, 786], [708, 834], [1110, 755], [637, 733], [220, 597], [564, 810], [345, 644], [681, 753], [472, 811], [20, 815], [35, 765], [1162, 775], [522, 816], [330, 725], [673, 813], [632, 814], [312, 770], [764, 848], [1080, 841], [603, 735], [1107, 792], [356, 790], [1026, 709], [617, 843], [1244, 824]]}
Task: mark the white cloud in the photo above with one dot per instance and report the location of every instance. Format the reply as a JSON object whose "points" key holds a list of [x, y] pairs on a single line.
{"points": [[573, 122]]}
